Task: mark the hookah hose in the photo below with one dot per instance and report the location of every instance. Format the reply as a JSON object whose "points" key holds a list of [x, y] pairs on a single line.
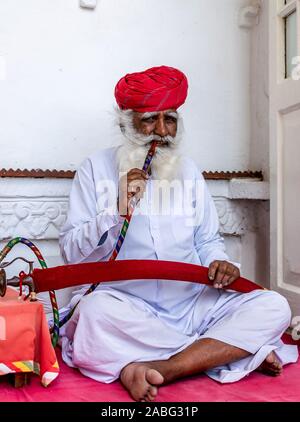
{"points": [[35, 250], [131, 206]]}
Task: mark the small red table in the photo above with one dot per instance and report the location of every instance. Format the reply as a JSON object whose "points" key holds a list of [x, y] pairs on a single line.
{"points": [[25, 343]]}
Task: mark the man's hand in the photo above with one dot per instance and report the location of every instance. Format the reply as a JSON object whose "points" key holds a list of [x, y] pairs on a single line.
{"points": [[222, 273], [132, 183]]}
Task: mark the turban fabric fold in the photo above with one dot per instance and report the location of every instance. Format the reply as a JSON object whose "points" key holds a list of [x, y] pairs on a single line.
{"points": [[156, 89]]}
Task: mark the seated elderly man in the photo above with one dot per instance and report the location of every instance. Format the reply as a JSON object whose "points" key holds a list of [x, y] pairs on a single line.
{"points": [[150, 333]]}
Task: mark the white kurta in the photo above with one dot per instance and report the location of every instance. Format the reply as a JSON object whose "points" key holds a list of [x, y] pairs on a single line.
{"points": [[143, 320]]}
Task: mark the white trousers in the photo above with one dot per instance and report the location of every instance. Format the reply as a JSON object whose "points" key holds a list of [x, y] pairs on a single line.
{"points": [[111, 328]]}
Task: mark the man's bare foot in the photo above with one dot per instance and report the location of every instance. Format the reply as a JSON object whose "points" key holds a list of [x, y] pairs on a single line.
{"points": [[271, 366], [141, 381]]}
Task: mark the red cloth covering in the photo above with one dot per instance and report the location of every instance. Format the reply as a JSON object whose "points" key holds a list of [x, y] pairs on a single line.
{"points": [[95, 272], [156, 89], [25, 343]]}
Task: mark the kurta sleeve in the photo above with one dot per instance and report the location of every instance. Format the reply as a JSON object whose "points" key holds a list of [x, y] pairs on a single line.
{"points": [[208, 242], [91, 230]]}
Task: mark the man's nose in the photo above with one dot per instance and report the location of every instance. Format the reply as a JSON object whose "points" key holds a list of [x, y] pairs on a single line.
{"points": [[160, 127]]}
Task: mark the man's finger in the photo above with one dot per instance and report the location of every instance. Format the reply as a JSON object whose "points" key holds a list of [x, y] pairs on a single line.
{"points": [[234, 275], [136, 170], [218, 279], [222, 271], [225, 280], [212, 269], [231, 280], [137, 173], [137, 186]]}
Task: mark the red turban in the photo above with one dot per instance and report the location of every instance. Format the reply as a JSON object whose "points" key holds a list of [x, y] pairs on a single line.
{"points": [[156, 89]]}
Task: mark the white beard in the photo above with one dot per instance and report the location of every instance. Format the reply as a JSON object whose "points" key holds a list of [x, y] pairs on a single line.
{"points": [[132, 153]]}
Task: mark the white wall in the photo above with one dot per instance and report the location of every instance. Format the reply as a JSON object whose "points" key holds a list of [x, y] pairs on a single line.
{"points": [[259, 145], [64, 61]]}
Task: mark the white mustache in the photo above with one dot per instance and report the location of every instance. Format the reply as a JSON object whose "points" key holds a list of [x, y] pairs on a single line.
{"points": [[146, 139]]}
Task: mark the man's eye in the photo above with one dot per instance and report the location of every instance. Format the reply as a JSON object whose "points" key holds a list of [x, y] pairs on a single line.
{"points": [[148, 120], [171, 119]]}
